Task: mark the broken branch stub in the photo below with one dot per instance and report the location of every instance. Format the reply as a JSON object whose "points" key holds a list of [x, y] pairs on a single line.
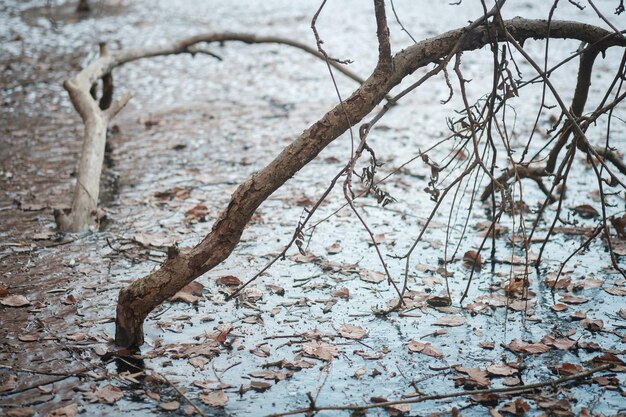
{"points": [[138, 299]]}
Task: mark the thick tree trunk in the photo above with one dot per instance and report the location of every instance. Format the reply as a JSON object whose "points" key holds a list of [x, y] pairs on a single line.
{"points": [[142, 296]]}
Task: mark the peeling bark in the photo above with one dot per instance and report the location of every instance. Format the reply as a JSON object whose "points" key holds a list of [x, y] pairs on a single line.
{"points": [[142, 296]]}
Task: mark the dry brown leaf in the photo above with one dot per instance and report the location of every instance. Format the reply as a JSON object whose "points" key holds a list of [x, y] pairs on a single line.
{"points": [[559, 307], [374, 277], [586, 211], [424, 349], [619, 291], [67, 411], [517, 345], [109, 394], [563, 343], [333, 249], [572, 299], [14, 301], [190, 293], [501, 370], [9, 384], [272, 375], [20, 412], [450, 321], [275, 289], [341, 293], [578, 315], [214, 399], [320, 350], [518, 407], [476, 375], [351, 331], [29, 337], [260, 386], [592, 325], [229, 280], [170, 405], [566, 369], [472, 259]]}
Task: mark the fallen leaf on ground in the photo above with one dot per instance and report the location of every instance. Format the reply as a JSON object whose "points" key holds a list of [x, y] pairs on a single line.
{"points": [[109, 394], [341, 293], [30, 337], [214, 399], [351, 331], [472, 259], [619, 291], [272, 375], [170, 405], [450, 321], [374, 277], [501, 370], [320, 350], [67, 411], [228, 280], [477, 377], [20, 412], [424, 349], [517, 345], [572, 299], [15, 301], [518, 407], [566, 369], [190, 293], [592, 325], [586, 211], [333, 249], [9, 384]]}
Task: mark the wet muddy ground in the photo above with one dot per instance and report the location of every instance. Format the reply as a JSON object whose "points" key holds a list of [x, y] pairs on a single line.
{"points": [[194, 129]]}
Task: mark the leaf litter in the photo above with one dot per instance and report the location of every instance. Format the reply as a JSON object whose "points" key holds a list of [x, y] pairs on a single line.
{"points": [[263, 328]]}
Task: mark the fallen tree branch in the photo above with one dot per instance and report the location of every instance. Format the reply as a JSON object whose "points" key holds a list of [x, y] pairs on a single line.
{"points": [[142, 296], [509, 390], [96, 115]]}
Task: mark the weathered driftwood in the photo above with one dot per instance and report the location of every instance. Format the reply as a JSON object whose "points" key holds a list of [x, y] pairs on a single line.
{"points": [[142, 296], [96, 115]]}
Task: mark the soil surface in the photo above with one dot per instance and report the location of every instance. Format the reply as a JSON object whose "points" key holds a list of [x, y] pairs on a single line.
{"points": [[308, 329]]}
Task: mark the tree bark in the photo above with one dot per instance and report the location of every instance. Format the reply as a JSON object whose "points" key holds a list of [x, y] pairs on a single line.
{"points": [[142, 296]]}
